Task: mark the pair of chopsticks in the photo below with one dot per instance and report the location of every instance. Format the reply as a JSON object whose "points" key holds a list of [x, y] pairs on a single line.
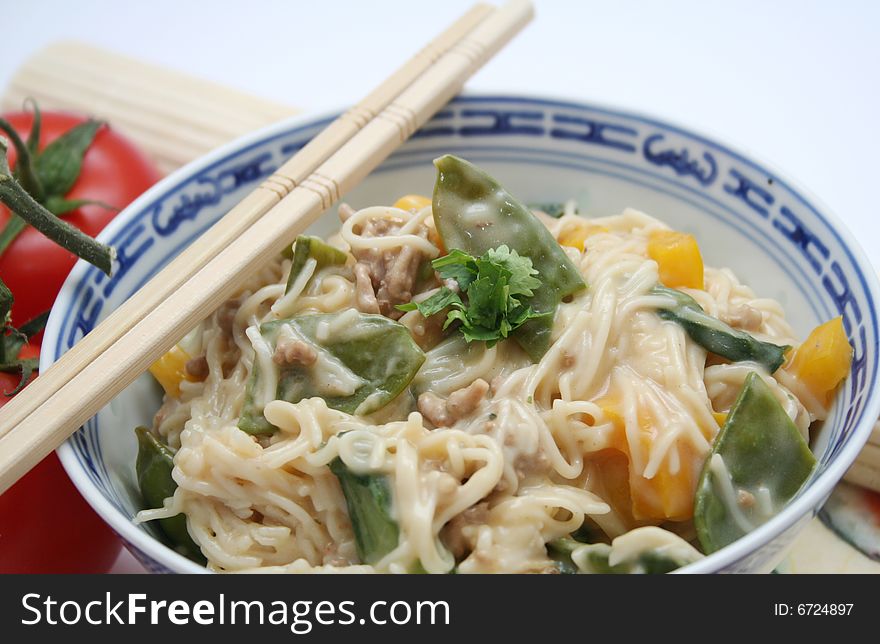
{"points": [[217, 265], [866, 469]]}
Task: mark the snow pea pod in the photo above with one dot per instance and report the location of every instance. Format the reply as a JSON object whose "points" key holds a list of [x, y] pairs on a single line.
{"points": [[714, 335], [758, 463], [369, 500], [572, 557], [474, 213], [362, 362], [560, 552], [155, 461], [312, 247]]}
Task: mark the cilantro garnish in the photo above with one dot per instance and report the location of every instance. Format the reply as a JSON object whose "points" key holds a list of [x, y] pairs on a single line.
{"points": [[494, 285]]}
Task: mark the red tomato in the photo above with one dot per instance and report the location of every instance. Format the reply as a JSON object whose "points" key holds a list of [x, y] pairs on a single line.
{"points": [[113, 172], [45, 525]]}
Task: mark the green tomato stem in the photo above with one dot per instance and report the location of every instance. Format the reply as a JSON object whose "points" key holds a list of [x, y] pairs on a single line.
{"points": [[17, 199]]}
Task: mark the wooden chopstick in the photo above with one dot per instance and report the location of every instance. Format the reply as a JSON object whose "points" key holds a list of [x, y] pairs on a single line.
{"points": [[866, 469], [209, 284], [230, 227]]}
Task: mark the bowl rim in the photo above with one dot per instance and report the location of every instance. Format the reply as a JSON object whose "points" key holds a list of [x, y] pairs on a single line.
{"points": [[806, 503]]}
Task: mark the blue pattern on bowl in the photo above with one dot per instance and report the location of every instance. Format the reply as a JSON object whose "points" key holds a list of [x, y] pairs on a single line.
{"points": [[606, 158]]}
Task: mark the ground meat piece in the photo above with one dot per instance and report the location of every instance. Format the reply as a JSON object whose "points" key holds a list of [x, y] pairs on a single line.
{"points": [[433, 407], [527, 465], [226, 315], [393, 272], [743, 316], [453, 533], [332, 556], [168, 405], [401, 276], [289, 351], [366, 297], [197, 368], [497, 382], [443, 413], [462, 402], [745, 499]]}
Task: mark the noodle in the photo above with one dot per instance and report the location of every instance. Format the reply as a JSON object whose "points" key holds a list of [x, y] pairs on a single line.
{"points": [[609, 429]]}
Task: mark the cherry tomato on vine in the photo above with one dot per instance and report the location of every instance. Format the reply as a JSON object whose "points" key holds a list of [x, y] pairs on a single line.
{"points": [[45, 525], [113, 172]]}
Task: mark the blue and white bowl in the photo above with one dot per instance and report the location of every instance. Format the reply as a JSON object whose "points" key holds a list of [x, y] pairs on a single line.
{"points": [[747, 216]]}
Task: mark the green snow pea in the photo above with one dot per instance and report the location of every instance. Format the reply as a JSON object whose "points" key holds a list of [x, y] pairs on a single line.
{"points": [[649, 562], [758, 463], [474, 213], [364, 362], [312, 247], [155, 460], [370, 504], [714, 335], [560, 552]]}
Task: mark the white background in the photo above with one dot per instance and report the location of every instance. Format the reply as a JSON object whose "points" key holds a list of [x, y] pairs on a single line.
{"points": [[796, 83]]}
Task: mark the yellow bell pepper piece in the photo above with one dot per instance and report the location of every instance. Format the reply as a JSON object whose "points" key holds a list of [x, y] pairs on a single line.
{"points": [[667, 495], [575, 236], [823, 360], [170, 370], [678, 258], [412, 202]]}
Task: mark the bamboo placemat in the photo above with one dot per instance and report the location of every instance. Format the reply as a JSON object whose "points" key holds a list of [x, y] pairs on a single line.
{"points": [[172, 116]]}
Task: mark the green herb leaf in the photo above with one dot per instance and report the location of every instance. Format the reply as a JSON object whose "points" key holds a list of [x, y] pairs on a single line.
{"points": [[474, 213], [522, 280], [493, 283], [434, 304], [458, 266], [59, 165]]}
